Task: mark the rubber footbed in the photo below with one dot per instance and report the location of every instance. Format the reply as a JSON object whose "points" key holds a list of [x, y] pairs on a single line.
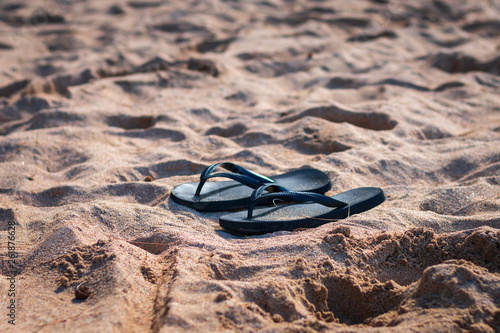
{"points": [[231, 195], [303, 215]]}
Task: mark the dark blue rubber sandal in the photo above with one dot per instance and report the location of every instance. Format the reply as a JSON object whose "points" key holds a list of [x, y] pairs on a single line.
{"points": [[236, 194], [315, 210]]}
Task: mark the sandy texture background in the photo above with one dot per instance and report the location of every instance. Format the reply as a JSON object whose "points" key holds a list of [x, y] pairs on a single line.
{"points": [[96, 96]]}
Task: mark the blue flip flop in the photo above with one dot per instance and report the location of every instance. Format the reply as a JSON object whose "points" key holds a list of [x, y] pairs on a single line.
{"points": [[315, 210], [236, 194]]}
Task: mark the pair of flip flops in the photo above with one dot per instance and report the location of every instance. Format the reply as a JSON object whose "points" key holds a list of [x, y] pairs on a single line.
{"points": [[248, 189]]}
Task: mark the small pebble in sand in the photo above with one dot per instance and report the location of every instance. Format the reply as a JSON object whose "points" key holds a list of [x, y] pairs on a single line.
{"points": [[83, 292]]}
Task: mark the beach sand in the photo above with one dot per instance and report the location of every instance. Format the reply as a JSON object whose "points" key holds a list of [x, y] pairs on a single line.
{"points": [[105, 106]]}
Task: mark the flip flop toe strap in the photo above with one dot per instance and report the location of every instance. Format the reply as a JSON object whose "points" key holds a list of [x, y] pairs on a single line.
{"points": [[238, 173], [279, 192]]}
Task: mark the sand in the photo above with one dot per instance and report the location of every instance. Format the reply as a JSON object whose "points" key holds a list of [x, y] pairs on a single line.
{"points": [[105, 106]]}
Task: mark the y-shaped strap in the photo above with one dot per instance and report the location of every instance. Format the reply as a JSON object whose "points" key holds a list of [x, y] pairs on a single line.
{"points": [[279, 192], [238, 173]]}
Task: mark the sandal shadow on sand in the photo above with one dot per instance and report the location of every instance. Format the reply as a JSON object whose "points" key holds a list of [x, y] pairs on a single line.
{"points": [[315, 209], [236, 193]]}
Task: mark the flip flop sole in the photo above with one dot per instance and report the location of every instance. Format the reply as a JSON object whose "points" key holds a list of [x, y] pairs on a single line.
{"points": [[231, 195], [303, 215]]}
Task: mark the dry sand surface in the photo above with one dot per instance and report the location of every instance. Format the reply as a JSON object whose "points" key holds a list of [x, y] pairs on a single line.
{"points": [[105, 106]]}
